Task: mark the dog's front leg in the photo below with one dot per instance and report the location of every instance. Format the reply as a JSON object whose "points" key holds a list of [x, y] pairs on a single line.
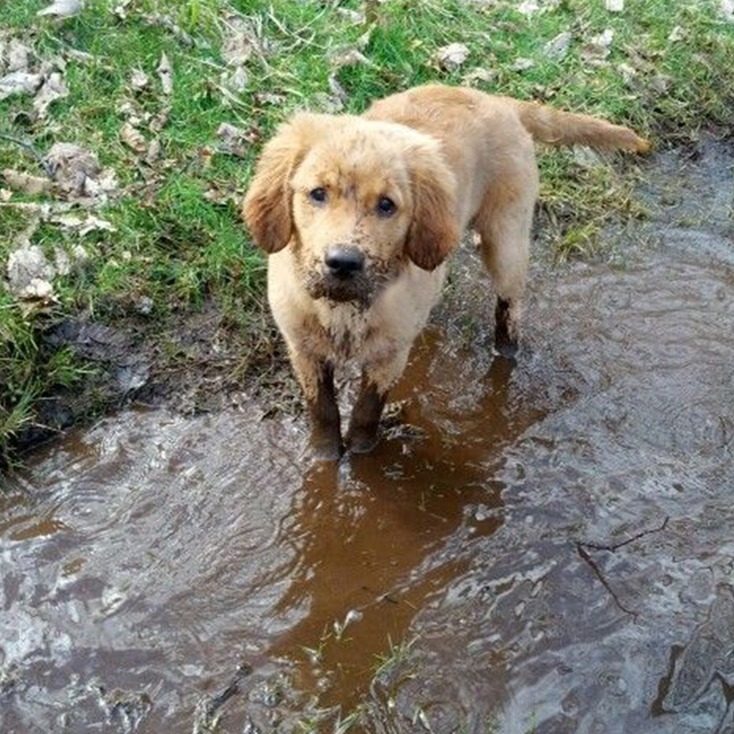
{"points": [[364, 424], [377, 378], [317, 382]]}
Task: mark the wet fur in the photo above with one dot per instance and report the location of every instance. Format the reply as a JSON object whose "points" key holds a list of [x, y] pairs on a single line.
{"points": [[451, 158]]}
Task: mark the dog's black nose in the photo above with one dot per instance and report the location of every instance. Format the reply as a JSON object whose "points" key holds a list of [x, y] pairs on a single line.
{"points": [[344, 262]]}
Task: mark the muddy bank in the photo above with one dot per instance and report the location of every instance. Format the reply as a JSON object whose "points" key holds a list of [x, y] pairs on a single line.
{"points": [[542, 546], [191, 362]]}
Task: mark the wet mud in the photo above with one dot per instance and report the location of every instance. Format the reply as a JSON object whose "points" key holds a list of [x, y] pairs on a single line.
{"points": [[536, 546]]}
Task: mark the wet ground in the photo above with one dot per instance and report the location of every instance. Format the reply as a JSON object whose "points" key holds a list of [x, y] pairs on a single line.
{"points": [[540, 547]]}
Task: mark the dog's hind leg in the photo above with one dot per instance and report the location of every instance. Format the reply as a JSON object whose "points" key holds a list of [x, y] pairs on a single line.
{"points": [[503, 224]]}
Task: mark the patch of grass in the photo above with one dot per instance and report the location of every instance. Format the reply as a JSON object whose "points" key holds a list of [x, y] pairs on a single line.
{"points": [[178, 242], [396, 656]]}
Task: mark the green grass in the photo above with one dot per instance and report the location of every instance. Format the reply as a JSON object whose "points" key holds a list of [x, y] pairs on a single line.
{"points": [[178, 241]]}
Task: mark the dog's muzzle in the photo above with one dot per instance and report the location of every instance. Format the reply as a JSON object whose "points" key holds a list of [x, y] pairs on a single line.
{"points": [[342, 276]]}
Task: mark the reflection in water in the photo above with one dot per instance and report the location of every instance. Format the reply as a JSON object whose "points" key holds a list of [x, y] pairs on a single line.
{"points": [[379, 536], [164, 561]]}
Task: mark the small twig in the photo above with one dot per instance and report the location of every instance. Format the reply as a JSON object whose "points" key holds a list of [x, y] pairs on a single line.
{"points": [[581, 548], [617, 546], [205, 62], [206, 713], [47, 168], [597, 572], [243, 670]]}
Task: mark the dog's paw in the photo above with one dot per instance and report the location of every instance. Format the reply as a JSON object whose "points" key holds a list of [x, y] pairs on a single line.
{"points": [[362, 441], [505, 347], [324, 448]]}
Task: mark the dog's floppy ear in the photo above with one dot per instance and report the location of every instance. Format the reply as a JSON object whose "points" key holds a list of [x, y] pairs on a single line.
{"points": [[267, 205], [434, 230]]}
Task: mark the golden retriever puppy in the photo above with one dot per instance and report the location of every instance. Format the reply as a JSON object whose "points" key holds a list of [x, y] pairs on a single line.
{"points": [[358, 215]]}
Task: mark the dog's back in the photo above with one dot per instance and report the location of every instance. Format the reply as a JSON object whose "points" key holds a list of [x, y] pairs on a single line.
{"points": [[441, 110]]}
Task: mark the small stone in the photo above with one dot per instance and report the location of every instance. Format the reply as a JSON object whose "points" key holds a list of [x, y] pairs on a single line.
{"points": [[557, 47], [63, 8], [451, 57], [522, 64]]}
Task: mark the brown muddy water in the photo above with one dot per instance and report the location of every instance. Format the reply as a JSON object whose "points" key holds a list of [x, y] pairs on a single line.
{"points": [[540, 547]]}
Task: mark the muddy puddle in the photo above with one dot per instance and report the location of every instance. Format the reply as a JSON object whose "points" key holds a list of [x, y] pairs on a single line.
{"points": [[540, 547]]}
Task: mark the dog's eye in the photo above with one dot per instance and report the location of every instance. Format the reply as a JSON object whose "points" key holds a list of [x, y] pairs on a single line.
{"points": [[317, 195], [386, 207]]}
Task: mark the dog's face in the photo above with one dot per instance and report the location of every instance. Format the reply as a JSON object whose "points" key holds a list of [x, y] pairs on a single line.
{"points": [[356, 200], [352, 207]]}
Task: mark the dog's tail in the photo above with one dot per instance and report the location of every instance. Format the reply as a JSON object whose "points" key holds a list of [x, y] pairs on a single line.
{"points": [[555, 127]]}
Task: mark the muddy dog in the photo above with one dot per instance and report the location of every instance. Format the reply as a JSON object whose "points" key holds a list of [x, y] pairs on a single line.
{"points": [[358, 215]]}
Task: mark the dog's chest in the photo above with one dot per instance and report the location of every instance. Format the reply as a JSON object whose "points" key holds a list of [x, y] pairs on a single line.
{"points": [[347, 332]]}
